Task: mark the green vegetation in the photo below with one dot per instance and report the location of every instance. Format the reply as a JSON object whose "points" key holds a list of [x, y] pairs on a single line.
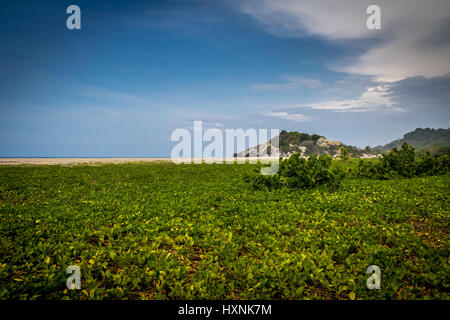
{"points": [[403, 163], [436, 150], [435, 141], [165, 231], [304, 173], [344, 154], [300, 173], [291, 141]]}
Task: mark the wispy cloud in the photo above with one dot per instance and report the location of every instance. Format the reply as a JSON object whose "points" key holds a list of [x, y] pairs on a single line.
{"points": [[403, 47], [378, 98], [297, 117], [292, 84]]}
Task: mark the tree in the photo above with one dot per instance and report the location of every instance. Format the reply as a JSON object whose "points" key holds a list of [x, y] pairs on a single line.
{"points": [[344, 154]]}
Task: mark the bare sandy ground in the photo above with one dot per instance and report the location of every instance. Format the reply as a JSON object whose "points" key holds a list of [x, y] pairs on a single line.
{"points": [[72, 161], [99, 161]]}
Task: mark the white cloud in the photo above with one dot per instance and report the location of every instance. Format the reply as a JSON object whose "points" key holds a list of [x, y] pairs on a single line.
{"points": [[328, 18], [373, 99], [413, 40], [297, 117]]}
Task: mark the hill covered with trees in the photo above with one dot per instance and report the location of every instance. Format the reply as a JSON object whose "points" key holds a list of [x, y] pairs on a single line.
{"points": [[436, 141]]}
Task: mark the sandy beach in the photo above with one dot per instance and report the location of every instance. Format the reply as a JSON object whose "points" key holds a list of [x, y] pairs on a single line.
{"points": [[72, 161], [99, 161]]}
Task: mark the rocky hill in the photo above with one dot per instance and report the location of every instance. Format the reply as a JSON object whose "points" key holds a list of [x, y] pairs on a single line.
{"points": [[436, 141], [303, 143]]}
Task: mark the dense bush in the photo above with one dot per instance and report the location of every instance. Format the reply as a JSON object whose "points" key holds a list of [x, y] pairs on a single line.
{"points": [[304, 173], [300, 173], [403, 163]]}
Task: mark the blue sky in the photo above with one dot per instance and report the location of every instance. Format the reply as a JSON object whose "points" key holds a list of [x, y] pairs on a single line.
{"points": [[137, 70]]}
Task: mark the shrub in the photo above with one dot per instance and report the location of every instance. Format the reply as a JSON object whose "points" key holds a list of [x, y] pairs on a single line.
{"points": [[432, 165], [300, 173], [403, 163], [400, 162]]}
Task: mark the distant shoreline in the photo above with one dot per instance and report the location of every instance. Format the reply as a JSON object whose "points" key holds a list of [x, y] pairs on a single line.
{"points": [[93, 160], [69, 160]]}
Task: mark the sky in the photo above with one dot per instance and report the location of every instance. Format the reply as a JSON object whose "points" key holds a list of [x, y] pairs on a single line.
{"points": [[138, 70]]}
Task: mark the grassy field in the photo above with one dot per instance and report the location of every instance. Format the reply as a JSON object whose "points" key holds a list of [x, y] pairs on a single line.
{"points": [[164, 231]]}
